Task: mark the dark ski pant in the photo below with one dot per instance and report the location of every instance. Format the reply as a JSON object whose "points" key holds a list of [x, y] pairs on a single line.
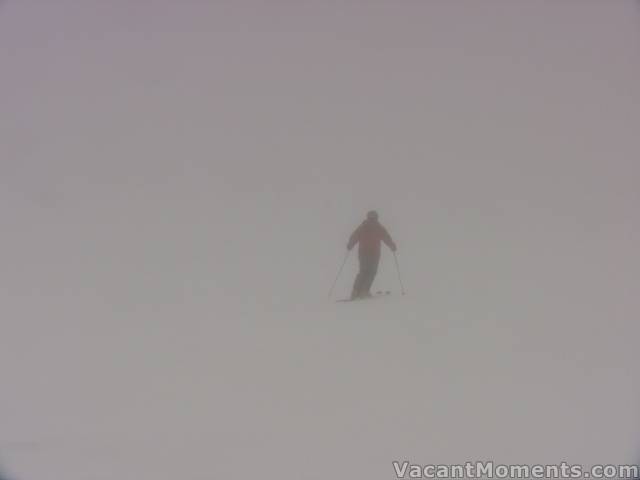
{"points": [[364, 279]]}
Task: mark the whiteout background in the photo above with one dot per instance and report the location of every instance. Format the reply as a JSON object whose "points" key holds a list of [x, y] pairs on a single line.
{"points": [[178, 181]]}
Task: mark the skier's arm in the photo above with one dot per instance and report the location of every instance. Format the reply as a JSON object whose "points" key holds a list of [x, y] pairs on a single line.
{"points": [[353, 239], [386, 238]]}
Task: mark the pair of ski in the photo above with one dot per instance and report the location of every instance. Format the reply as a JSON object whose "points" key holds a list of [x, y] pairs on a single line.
{"points": [[379, 293]]}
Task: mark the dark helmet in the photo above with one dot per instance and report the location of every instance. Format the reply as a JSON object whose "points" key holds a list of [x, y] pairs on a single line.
{"points": [[372, 215]]}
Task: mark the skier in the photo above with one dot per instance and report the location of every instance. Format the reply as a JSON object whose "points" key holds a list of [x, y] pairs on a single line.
{"points": [[368, 235]]}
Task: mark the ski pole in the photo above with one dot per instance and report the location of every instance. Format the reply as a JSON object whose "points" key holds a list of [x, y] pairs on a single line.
{"points": [[339, 272], [398, 269]]}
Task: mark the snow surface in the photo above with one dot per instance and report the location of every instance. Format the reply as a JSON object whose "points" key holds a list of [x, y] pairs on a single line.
{"points": [[178, 184]]}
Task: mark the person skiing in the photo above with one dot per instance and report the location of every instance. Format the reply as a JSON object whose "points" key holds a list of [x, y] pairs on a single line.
{"points": [[368, 235]]}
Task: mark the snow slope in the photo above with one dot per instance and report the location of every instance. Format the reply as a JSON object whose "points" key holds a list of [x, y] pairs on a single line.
{"points": [[177, 192]]}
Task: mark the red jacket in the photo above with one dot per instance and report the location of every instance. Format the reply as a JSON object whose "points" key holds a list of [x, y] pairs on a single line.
{"points": [[369, 235]]}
